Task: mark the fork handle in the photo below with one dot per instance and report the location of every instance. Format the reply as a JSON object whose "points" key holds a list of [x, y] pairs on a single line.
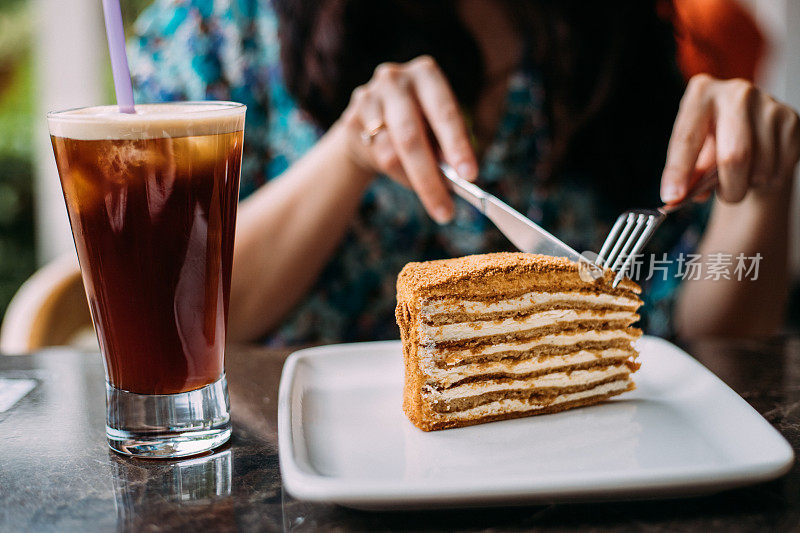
{"points": [[707, 182]]}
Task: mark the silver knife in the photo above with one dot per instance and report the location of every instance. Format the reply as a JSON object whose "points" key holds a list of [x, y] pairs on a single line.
{"points": [[523, 233]]}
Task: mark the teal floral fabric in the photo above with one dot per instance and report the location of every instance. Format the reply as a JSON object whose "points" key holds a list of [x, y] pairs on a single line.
{"points": [[229, 50]]}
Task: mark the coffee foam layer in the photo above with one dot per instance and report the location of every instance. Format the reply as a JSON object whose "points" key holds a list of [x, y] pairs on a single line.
{"points": [[151, 121]]}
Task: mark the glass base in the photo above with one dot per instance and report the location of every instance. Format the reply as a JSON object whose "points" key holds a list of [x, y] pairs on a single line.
{"points": [[168, 425]]}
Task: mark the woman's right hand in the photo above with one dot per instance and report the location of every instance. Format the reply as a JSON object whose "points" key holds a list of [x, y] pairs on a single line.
{"points": [[387, 125]]}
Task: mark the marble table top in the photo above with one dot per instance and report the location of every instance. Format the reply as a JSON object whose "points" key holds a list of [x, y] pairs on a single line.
{"points": [[57, 474]]}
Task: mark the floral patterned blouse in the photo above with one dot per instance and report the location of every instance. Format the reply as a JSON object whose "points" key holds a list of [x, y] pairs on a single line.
{"points": [[229, 50]]}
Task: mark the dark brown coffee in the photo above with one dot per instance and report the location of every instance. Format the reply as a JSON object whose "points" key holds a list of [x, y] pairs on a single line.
{"points": [[153, 221]]}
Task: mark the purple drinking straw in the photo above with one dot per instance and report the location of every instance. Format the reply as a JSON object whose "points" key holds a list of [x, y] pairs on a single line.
{"points": [[119, 59]]}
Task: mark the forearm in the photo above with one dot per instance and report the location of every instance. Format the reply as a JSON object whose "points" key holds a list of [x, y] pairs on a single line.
{"points": [[748, 307], [287, 231]]}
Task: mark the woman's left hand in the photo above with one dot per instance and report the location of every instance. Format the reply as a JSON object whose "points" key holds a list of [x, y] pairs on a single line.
{"points": [[753, 140]]}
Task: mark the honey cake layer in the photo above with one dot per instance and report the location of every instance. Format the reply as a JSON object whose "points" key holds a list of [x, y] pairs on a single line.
{"points": [[520, 368], [539, 389], [447, 311], [558, 343], [555, 319], [513, 408], [521, 335]]}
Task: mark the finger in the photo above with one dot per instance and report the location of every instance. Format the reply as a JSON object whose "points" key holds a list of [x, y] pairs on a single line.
{"points": [[408, 135], [370, 111], [734, 136], [441, 109], [707, 158], [370, 114], [703, 198], [789, 140], [766, 121], [387, 159], [705, 162], [688, 135]]}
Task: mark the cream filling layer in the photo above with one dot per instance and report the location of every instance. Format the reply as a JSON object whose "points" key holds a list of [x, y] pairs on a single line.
{"points": [[514, 406], [448, 306], [431, 353], [447, 376], [552, 380], [475, 329]]}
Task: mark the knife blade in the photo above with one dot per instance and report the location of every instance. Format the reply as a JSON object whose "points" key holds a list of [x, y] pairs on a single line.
{"points": [[523, 233]]}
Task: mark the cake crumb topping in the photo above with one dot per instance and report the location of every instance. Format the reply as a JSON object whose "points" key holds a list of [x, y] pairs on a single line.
{"points": [[451, 276]]}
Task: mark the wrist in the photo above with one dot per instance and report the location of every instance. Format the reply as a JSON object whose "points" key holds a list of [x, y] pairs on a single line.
{"points": [[759, 207]]}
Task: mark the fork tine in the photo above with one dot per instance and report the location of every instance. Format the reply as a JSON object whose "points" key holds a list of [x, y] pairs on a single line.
{"points": [[630, 219], [652, 224], [624, 253], [609, 242]]}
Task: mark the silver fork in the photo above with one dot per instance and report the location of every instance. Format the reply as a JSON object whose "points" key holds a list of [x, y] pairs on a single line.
{"points": [[634, 228]]}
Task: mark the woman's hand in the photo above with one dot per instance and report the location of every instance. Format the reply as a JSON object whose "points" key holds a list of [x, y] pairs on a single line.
{"points": [[389, 122], [753, 140]]}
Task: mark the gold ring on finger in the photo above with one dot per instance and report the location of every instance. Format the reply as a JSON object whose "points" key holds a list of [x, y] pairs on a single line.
{"points": [[368, 136]]}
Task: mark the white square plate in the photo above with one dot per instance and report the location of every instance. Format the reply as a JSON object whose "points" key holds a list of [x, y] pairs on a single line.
{"points": [[344, 438]]}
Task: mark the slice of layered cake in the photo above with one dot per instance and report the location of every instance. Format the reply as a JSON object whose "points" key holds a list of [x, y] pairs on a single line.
{"points": [[506, 335]]}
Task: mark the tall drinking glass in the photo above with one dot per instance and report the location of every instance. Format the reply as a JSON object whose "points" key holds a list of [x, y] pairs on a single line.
{"points": [[152, 200]]}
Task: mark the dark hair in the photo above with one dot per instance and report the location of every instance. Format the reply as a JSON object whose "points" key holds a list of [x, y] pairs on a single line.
{"points": [[329, 47], [611, 81]]}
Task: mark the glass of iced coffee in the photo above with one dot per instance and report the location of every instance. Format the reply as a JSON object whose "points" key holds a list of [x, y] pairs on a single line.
{"points": [[152, 200]]}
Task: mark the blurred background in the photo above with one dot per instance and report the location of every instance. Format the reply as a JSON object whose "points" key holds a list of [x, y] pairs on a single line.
{"points": [[53, 56]]}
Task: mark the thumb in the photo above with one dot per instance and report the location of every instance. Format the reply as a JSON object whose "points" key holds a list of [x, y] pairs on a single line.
{"points": [[706, 161]]}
